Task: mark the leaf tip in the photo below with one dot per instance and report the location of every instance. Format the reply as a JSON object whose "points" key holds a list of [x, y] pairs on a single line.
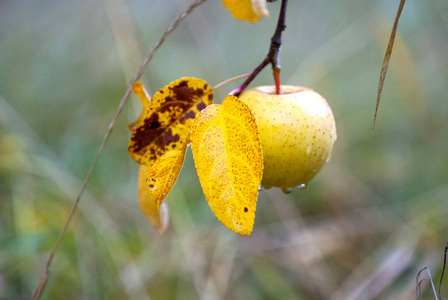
{"points": [[158, 216]]}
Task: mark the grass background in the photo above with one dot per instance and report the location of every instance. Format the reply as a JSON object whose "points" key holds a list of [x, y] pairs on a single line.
{"points": [[373, 217]]}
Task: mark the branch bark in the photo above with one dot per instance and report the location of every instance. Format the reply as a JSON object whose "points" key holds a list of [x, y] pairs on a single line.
{"points": [[273, 55]]}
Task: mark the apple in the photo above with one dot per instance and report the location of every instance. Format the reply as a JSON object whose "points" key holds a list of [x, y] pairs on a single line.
{"points": [[297, 132]]}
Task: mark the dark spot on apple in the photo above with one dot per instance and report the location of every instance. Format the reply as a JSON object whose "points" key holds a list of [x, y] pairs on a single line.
{"points": [[246, 209]]}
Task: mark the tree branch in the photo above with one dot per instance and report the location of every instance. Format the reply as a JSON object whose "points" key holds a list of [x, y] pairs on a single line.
{"points": [[273, 55]]}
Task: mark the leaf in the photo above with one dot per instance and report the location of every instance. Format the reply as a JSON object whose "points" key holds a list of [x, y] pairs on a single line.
{"points": [[228, 157], [247, 10], [162, 176], [158, 216], [166, 120]]}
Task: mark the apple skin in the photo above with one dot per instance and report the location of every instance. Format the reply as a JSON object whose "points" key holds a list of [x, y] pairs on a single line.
{"points": [[297, 132]]}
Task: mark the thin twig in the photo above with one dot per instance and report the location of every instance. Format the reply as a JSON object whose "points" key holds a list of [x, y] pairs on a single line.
{"points": [[251, 77], [230, 80], [443, 270], [273, 55], [387, 59], [46, 273], [418, 282]]}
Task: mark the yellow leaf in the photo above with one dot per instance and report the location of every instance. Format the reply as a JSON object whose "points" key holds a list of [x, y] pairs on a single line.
{"points": [[247, 10], [158, 216], [163, 174], [229, 162], [167, 117]]}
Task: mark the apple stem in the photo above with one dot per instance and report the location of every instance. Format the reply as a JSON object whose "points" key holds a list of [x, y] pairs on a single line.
{"points": [[276, 72], [272, 57]]}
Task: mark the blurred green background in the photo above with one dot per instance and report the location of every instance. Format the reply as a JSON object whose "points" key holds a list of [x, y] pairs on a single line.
{"points": [[373, 217]]}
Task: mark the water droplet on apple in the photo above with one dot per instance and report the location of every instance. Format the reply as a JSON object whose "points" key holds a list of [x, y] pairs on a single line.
{"points": [[260, 188], [287, 190], [308, 149], [302, 186]]}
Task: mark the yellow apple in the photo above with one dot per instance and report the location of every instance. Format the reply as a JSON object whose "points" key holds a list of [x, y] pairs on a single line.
{"points": [[297, 132]]}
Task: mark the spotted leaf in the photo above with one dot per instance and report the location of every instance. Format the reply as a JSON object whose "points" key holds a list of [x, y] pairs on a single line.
{"points": [[228, 158], [166, 120]]}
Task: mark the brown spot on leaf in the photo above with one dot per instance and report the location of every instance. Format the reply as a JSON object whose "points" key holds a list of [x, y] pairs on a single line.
{"points": [[146, 133], [166, 139], [188, 115], [187, 94], [201, 106], [168, 119]]}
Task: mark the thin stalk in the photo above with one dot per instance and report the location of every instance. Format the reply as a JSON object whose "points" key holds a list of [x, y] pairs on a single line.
{"points": [[386, 60], [46, 273], [443, 270], [230, 80]]}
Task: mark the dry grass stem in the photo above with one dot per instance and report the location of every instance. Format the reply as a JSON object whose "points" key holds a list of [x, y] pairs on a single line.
{"points": [[44, 278], [230, 80], [443, 270], [386, 60], [418, 283]]}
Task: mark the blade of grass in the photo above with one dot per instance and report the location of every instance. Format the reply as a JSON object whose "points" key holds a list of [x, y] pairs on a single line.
{"points": [[42, 282], [443, 270], [387, 59], [432, 284]]}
